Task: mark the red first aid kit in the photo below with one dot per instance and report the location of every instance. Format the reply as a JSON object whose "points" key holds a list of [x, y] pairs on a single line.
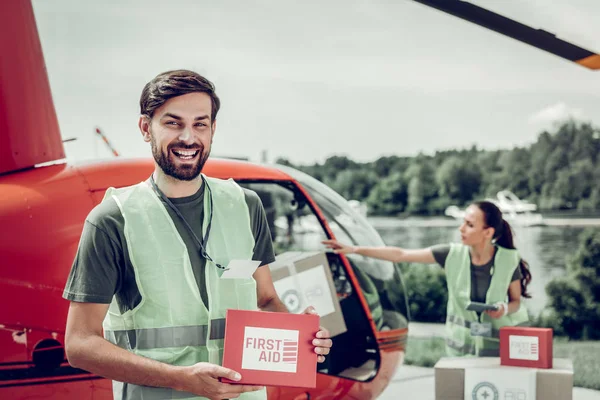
{"points": [[526, 347], [271, 349]]}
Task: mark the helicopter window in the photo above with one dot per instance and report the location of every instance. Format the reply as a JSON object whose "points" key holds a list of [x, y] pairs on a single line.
{"points": [[293, 225], [381, 281]]}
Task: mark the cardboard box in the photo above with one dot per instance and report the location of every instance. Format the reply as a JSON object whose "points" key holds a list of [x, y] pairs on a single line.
{"points": [[526, 347], [269, 348], [461, 378], [304, 279]]}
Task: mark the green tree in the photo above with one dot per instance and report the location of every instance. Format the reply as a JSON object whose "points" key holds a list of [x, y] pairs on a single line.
{"points": [[335, 164], [574, 300], [515, 168], [558, 171], [422, 187], [328, 172], [593, 202], [582, 141], [488, 164], [355, 184], [459, 180], [426, 291], [284, 161], [385, 166], [389, 196], [557, 160], [574, 184], [539, 151]]}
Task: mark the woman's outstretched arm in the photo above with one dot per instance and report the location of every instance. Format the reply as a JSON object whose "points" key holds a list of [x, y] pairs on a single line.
{"points": [[389, 253]]}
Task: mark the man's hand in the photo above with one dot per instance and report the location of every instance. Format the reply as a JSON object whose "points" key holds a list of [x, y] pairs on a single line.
{"points": [[202, 379], [322, 342]]}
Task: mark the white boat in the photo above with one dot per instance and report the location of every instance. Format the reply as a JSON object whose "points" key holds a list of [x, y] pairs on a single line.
{"points": [[515, 211]]}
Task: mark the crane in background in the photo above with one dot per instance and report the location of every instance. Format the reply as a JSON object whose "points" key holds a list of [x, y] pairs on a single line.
{"points": [[107, 142]]}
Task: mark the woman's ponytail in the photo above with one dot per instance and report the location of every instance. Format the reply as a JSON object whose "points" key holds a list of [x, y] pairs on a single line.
{"points": [[503, 237]]}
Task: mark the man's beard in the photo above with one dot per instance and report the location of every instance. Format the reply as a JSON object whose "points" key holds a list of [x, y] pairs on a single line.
{"points": [[185, 172]]}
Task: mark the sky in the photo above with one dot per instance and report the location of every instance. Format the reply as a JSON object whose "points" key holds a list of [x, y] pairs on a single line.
{"points": [[305, 80]]}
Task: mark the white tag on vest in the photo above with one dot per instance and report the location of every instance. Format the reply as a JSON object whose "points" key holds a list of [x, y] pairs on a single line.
{"points": [[481, 329], [240, 269]]}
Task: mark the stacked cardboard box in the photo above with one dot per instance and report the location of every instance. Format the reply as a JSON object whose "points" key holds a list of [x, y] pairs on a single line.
{"points": [[459, 378], [304, 279]]}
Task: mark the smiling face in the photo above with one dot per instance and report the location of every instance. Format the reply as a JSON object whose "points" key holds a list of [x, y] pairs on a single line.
{"points": [[180, 133], [473, 230]]}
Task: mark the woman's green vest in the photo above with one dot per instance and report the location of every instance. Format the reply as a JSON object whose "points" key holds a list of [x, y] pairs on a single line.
{"points": [[459, 341], [171, 324]]}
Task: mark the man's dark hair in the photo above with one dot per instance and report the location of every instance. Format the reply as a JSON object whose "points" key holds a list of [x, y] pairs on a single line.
{"points": [[175, 83]]}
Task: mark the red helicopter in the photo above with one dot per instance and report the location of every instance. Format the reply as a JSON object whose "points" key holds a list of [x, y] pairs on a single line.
{"points": [[44, 201]]}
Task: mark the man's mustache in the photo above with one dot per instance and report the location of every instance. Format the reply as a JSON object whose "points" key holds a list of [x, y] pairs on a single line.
{"points": [[186, 146]]}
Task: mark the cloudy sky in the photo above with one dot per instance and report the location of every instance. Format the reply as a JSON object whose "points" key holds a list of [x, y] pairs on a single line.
{"points": [[308, 79]]}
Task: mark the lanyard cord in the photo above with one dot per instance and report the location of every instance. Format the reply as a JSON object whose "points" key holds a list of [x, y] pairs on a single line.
{"points": [[204, 241]]}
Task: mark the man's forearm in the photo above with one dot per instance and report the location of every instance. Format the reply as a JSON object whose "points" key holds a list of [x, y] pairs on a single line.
{"points": [[96, 355], [274, 304]]}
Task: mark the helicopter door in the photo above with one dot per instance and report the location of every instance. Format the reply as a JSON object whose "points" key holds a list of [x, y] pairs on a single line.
{"points": [[295, 227]]}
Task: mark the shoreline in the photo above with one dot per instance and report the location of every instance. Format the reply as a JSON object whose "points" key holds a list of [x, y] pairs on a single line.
{"points": [[440, 221]]}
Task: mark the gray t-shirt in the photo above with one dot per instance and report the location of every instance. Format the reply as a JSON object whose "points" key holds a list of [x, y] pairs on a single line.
{"points": [[102, 267], [480, 274]]}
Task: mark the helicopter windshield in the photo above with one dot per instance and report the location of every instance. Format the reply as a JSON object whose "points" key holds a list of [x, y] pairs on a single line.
{"points": [[381, 281], [347, 224]]}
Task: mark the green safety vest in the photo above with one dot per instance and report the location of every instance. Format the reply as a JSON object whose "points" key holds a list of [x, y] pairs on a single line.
{"points": [[459, 341], [171, 324]]}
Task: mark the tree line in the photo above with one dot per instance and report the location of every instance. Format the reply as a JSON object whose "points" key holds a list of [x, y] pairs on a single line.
{"points": [[560, 171], [574, 299]]}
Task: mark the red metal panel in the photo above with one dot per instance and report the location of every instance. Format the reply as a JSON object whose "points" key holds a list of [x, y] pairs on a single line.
{"points": [[223, 168], [332, 387], [28, 126], [14, 345], [67, 389], [41, 215], [125, 172]]}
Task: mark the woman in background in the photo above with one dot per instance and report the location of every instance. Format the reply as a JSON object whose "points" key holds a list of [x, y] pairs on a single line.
{"points": [[484, 268]]}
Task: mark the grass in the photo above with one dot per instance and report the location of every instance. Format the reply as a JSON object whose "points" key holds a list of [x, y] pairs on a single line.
{"points": [[425, 352], [586, 361]]}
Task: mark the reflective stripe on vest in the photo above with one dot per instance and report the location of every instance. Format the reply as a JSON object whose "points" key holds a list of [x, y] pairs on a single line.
{"points": [[458, 319], [159, 338], [463, 349], [453, 319], [455, 349], [137, 392]]}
